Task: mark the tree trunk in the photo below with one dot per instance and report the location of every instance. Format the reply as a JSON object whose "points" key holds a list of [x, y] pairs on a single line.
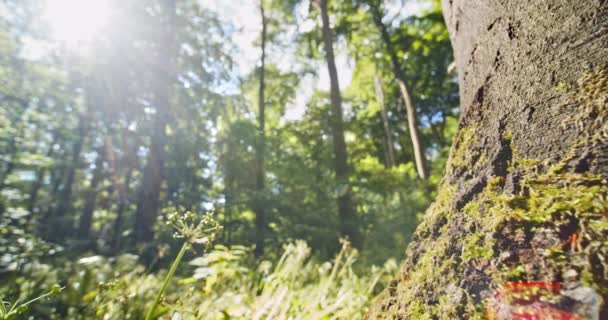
{"points": [[70, 171], [412, 120], [260, 214], [120, 187], [388, 140], [346, 211], [86, 219], [525, 193], [33, 196], [149, 195], [123, 201]]}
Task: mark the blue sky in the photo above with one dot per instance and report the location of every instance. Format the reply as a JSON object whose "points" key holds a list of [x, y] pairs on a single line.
{"points": [[244, 15]]}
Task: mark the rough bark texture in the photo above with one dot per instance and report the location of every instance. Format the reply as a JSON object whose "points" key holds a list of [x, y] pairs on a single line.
{"points": [[525, 195], [412, 118], [260, 207], [149, 195], [346, 211]]}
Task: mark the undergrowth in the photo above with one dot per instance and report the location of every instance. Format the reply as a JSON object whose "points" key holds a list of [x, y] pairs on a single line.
{"points": [[221, 283]]}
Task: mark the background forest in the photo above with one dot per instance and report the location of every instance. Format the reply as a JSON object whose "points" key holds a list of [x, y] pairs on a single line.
{"points": [[131, 129]]}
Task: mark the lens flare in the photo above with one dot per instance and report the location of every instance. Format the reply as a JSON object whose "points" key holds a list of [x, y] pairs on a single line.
{"points": [[76, 21]]}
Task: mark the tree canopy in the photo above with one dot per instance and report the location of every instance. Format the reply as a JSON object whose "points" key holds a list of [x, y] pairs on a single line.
{"points": [[116, 116]]}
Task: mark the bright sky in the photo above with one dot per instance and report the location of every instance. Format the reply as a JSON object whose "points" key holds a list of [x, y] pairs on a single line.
{"points": [[74, 21], [244, 15]]}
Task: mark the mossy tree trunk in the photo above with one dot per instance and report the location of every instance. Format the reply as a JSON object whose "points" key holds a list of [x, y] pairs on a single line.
{"points": [[525, 195]]}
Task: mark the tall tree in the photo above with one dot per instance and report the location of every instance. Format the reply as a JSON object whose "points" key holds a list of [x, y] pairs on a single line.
{"points": [[120, 187], [149, 194], [346, 210], [524, 197], [388, 140], [86, 218], [65, 194], [260, 214], [40, 176], [412, 119]]}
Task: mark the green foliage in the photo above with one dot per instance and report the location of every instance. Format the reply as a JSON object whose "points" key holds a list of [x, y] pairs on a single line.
{"points": [[225, 283], [9, 311], [76, 131], [194, 230]]}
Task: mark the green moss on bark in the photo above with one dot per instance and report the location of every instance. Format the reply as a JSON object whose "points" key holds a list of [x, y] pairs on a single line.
{"points": [[544, 217]]}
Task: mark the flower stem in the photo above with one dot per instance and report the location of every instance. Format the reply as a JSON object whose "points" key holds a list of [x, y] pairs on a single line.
{"points": [[174, 265]]}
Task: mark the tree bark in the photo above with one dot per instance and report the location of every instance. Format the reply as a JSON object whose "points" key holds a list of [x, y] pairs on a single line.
{"points": [[260, 214], [346, 211], [412, 119], [149, 195], [526, 189]]}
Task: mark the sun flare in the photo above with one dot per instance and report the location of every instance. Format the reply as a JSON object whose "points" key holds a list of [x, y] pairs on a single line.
{"points": [[76, 21]]}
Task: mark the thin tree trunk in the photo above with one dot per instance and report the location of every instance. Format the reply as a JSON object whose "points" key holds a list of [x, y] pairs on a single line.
{"points": [[388, 140], [149, 195], [412, 119], [121, 188], [33, 196], [260, 205], [120, 211], [86, 219], [346, 211], [525, 192], [65, 195], [56, 177], [123, 201]]}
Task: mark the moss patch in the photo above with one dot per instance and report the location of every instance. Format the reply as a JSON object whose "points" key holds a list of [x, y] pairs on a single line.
{"points": [[536, 222], [464, 141]]}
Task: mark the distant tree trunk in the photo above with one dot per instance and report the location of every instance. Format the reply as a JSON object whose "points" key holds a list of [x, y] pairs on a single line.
{"points": [[346, 210], [230, 205], [525, 193], [123, 201], [260, 214], [412, 119], [33, 196], [149, 194], [120, 187], [65, 195], [56, 174], [388, 140], [86, 219]]}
